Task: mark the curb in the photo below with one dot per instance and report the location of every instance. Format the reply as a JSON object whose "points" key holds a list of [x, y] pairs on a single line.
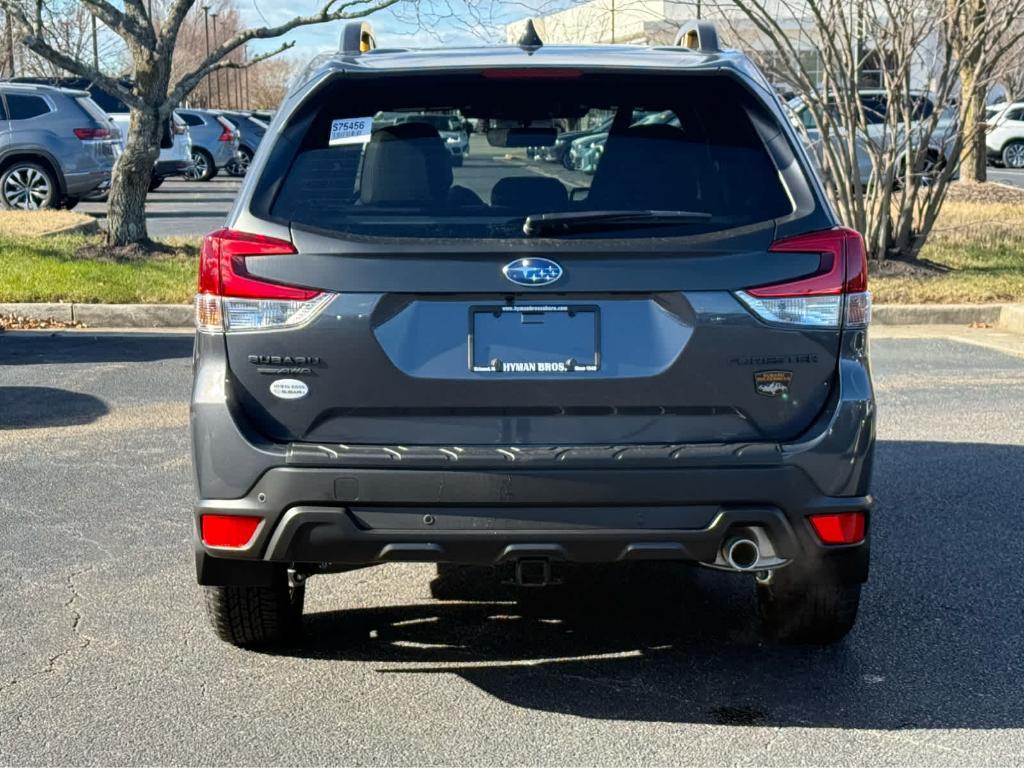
{"points": [[1009, 317], [108, 315], [90, 227], [938, 314]]}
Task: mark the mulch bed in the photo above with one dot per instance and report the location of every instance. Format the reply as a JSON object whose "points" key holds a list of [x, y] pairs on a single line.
{"points": [[990, 192], [917, 270], [19, 323], [125, 254]]}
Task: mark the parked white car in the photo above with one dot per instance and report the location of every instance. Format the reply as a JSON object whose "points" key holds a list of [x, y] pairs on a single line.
{"points": [[175, 150], [1005, 136]]}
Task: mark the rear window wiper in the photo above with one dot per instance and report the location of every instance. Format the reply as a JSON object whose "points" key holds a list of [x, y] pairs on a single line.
{"points": [[589, 221]]}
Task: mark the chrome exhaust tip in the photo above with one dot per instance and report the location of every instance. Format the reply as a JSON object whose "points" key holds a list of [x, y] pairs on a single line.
{"points": [[741, 553]]}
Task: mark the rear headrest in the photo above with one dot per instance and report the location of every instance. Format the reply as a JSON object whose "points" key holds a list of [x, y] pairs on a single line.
{"points": [[529, 193], [649, 167], [405, 164]]}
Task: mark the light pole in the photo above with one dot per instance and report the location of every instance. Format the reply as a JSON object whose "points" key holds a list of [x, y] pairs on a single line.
{"points": [[217, 73], [206, 26], [245, 74], [95, 46], [10, 45], [238, 84]]}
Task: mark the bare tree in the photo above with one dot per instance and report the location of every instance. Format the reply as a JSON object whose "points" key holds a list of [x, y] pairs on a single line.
{"points": [[983, 33], [151, 45], [887, 159], [1011, 72], [268, 82], [70, 27]]}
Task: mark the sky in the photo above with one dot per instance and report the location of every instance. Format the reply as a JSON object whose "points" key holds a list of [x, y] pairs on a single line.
{"points": [[445, 23]]}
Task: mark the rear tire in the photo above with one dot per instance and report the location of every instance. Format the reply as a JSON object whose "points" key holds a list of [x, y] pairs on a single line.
{"points": [[256, 617], [203, 167], [154, 183], [1013, 154], [239, 165], [807, 607], [28, 186]]}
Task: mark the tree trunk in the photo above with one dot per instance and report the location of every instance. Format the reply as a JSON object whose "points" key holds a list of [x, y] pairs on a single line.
{"points": [[126, 212], [974, 165]]}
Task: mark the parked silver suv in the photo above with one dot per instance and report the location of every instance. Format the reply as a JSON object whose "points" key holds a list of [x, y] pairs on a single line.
{"points": [[214, 142], [56, 146]]}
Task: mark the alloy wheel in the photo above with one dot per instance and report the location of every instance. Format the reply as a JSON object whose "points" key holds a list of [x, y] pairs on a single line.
{"points": [[26, 188], [199, 167], [1014, 156]]}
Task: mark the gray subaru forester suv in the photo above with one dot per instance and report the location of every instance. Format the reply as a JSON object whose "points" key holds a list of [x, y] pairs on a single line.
{"points": [[515, 365], [56, 146]]}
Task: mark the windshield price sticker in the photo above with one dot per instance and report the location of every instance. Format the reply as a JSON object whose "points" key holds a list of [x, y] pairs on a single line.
{"points": [[351, 130]]}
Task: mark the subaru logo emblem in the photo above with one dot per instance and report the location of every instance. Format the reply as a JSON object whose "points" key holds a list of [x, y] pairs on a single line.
{"points": [[532, 271]]}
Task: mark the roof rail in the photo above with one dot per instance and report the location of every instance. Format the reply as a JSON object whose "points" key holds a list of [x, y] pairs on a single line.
{"points": [[698, 35], [357, 37]]}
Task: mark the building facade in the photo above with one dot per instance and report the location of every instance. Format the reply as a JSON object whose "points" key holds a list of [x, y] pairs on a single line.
{"points": [[655, 22]]}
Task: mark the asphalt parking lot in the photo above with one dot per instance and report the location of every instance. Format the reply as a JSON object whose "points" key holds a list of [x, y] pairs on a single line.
{"points": [[105, 656], [1009, 176], [182, 208]]}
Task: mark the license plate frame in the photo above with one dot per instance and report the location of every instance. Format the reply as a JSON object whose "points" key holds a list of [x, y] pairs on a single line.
{"points": [[544, 362]]}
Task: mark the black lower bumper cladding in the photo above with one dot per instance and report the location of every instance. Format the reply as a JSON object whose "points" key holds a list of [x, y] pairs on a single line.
{"points": [[367, 516]]}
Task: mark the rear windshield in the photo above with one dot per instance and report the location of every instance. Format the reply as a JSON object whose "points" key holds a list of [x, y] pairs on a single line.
{"points": [[92, 109], [472, 156]]}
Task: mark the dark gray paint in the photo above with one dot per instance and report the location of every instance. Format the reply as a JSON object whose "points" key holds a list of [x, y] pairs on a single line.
{"points": [[391, 400]]}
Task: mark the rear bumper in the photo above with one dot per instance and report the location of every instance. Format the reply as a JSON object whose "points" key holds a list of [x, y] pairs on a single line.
{"points": [[81, 184], [223, 152], [360, 517], [588, 504], [166, 168]]}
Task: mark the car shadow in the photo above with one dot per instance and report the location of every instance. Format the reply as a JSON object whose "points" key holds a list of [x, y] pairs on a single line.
{"points": [[938, 643], [40, 347], [35, 407]]}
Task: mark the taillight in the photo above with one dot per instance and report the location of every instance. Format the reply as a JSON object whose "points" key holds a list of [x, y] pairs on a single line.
{"points": [[230, 299], [839, 527], [234, 531], [92, 134], [179, 129], [837, 295], [227, 132]]}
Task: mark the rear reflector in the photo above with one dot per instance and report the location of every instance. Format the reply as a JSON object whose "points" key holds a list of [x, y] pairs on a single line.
{"points": [[839, 527], [836, 295], [230, 299], [235, 531]]}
